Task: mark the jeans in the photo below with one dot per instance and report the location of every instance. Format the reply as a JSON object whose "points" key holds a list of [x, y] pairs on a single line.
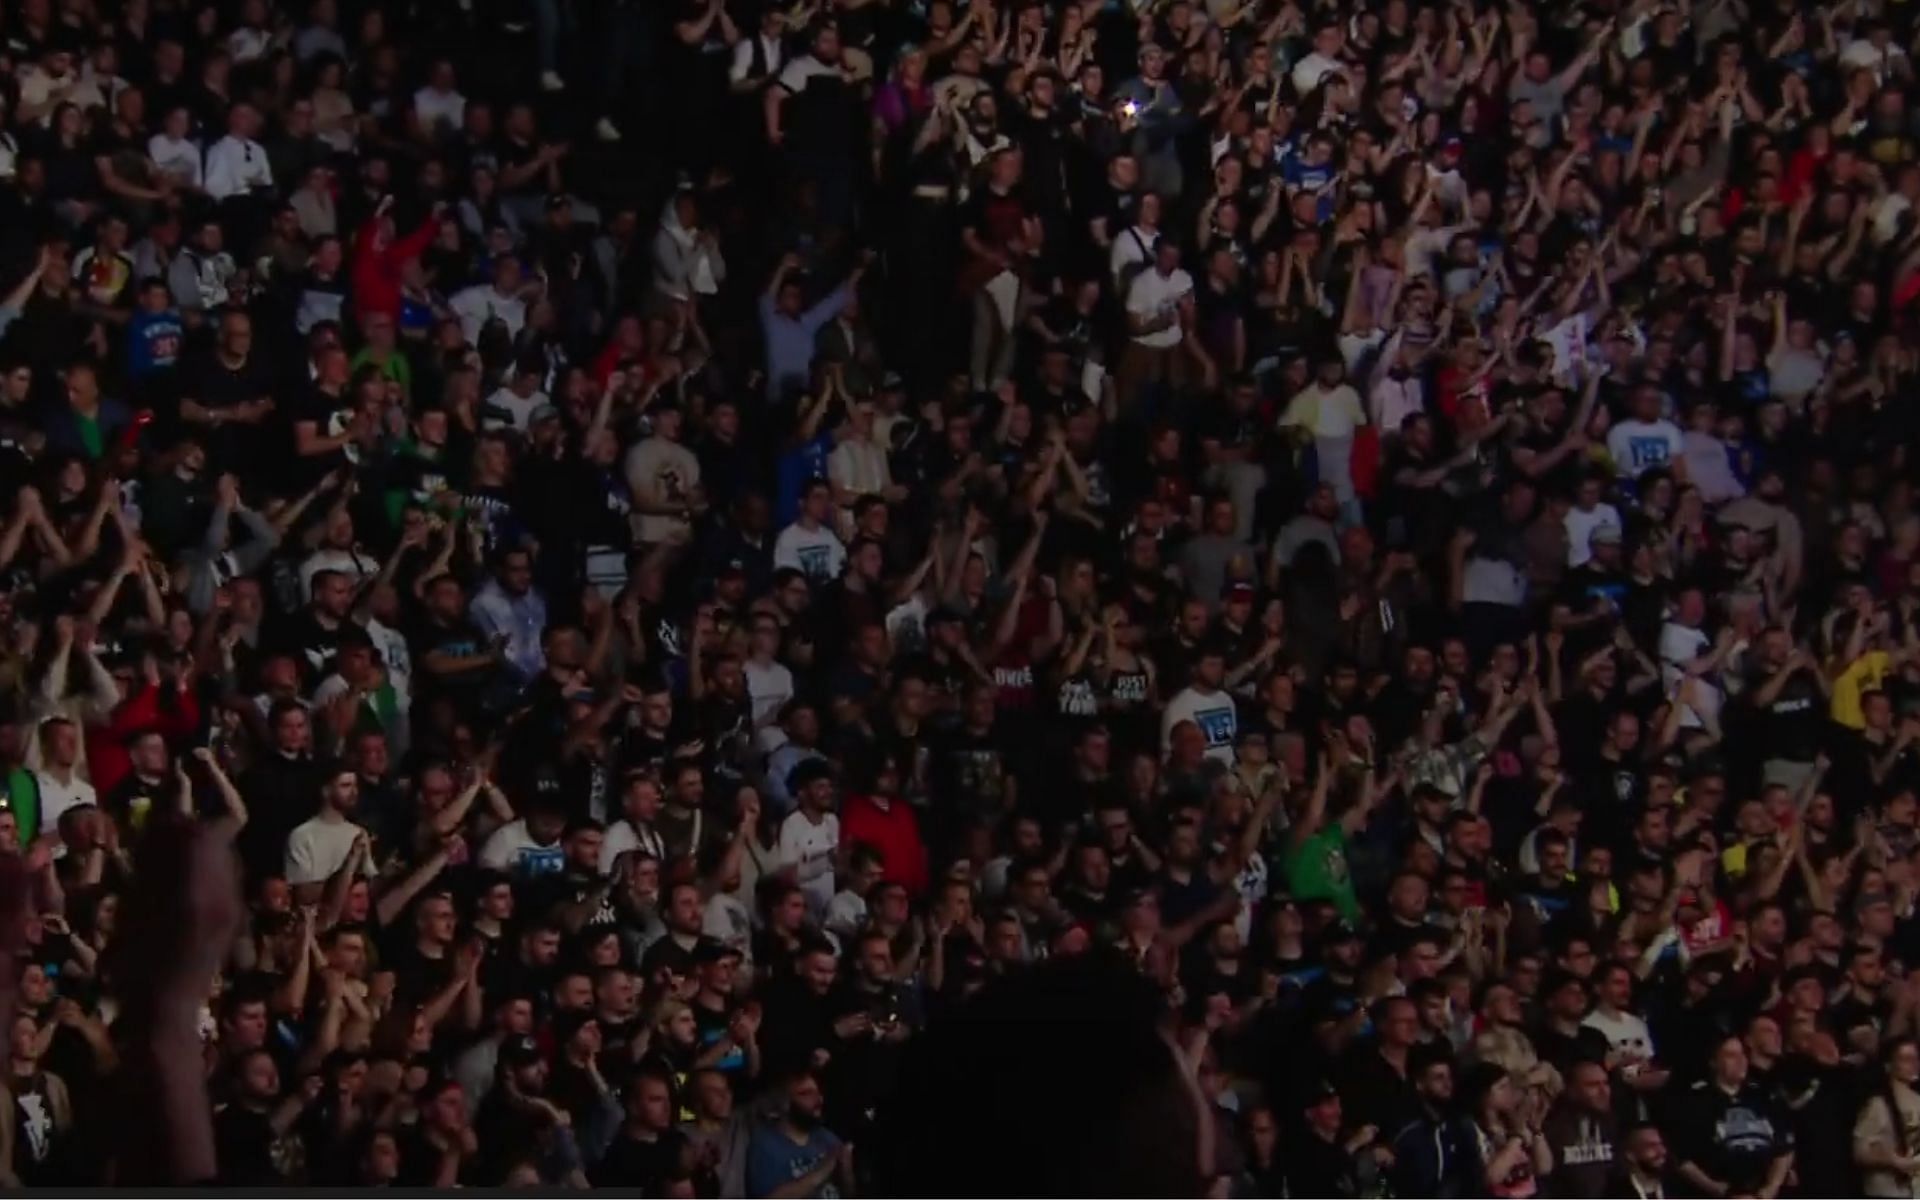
{"points": [[619, 35], [991, 359], [1142, 368], [552, 19]]}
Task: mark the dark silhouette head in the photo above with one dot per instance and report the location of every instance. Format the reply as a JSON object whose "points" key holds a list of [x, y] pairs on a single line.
{"points": [[1058, 1081]]}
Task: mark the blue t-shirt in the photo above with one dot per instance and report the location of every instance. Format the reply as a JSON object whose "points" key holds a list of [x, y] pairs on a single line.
{"points": [[153, 341], [775, 1160], [798, 467], [1310, 177], [414, 315], [1300, 173]]}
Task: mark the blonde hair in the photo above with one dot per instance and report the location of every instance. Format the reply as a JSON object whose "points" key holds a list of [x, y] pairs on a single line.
{"points": [[664, 1013]]}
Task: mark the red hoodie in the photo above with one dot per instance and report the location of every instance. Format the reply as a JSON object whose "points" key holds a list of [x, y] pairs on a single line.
{"points": [[107, 761], [894, 832], [376, 272]]}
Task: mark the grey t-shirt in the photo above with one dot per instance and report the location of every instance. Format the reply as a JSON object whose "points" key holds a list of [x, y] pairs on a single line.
{"points": [[1548, 98], [1205, 560], [1301, 530]]}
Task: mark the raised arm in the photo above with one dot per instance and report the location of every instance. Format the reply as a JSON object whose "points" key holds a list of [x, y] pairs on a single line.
{"points": [[395, 899], [1009, 621], [1315, 814], [333, 901], [234, 817]]}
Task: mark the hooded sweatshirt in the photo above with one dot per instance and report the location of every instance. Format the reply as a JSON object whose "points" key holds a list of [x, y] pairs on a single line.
{"points": [[683, 265]]}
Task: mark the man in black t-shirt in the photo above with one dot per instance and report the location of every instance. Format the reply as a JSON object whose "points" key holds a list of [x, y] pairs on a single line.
{"points": [[1789, 694], [1414, 503], [255, 1145], [1581, 1131], [683, 915], [325, 432], [974, 773], [314, 636], [456, 659], [230, 390], [648, 1151], [1595, 592], [578, 895], [1731, 1137], [1562, 1040]]}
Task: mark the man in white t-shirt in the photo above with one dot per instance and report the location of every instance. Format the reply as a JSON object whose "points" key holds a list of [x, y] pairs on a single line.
{"points": [[51, 82], [808, 545], [640, 804], [1613, 1018], [858, 465], [769, 682], [319, 846], [1156, 297], [439, 106], [1646, 441], [1687, 654], [663, 476], [497, 300], [1322, 61], [1206, 704], [810, 836], [1587, 514], [58, 778], [1329, 410], [512, 405], [530, 847], [1159, 307], [822, 60]]}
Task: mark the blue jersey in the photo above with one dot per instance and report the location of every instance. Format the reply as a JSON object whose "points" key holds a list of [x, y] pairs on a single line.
{"points": [[1311, 178], [153, 341], [797, 468]]}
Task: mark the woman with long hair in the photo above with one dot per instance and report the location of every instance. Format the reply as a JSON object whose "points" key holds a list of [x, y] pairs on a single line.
{"points": [[1886, 1135], [1513, 1155]]}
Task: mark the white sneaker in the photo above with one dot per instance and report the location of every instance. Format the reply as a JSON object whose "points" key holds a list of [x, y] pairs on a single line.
{"points": [[606, 130], [550, 81]]}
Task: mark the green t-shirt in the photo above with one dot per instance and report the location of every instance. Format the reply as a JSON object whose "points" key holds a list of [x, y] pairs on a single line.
{"points": [[1317, 870], [20, 792], [90, 435]]}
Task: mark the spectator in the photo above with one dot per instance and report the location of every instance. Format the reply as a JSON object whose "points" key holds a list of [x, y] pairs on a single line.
{"points": [[1012, 586]]}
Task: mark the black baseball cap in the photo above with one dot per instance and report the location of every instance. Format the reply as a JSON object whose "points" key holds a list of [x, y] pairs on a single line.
{"points": [[1340, 931]]}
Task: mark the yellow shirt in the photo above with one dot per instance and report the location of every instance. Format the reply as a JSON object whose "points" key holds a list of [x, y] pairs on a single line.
{"points": [[1733, 860], [1864, 674]]}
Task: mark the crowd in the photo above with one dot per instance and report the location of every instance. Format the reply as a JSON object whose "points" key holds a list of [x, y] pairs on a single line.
{"points": [[1260, 597]]}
